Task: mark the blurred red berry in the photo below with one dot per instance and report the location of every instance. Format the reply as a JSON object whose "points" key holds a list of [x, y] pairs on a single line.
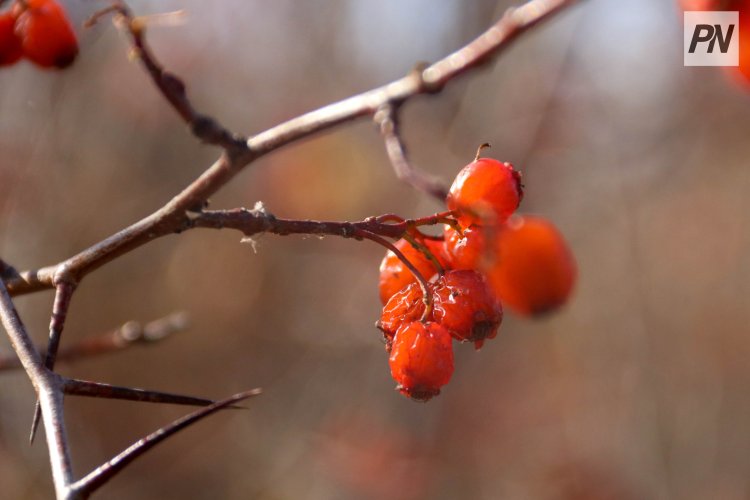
{"points": [[422, 359], [10, 44], [698, 4], [404, 306], [533, 270], [485, 191], [464, 251], [464, 304], [394, 275], [47, 37]]}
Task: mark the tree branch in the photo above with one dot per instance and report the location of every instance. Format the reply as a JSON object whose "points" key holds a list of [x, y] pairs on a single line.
{"points": [[130, 334], [107, 471], [173, 216], [90, 389], [185, 211], [388, 120], [63, 295], [47, 386]]}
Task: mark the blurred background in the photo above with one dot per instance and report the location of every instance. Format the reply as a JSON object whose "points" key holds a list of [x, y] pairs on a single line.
{"points": [[637, 389]]}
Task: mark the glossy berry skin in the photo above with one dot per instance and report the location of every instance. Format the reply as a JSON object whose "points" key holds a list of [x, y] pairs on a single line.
{"points": [[404, 306], [10, 44], [47, 37], [394, 275], [464, 303], [533, 270], [467, 250], [421, 360], [485, 191]]}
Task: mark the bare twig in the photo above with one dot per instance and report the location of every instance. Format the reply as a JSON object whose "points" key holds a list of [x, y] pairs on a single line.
{"points": [[184, 212], [47, 386], [172, 217], [388, 120], [171, 87], [251, 222], [106, 391], [107, 471], [130, 334], [63, 295]]}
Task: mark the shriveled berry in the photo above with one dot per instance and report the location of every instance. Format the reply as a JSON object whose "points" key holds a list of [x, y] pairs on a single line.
{"points": [[485, 191], [10, 44], [467, 250], [394, 275], [47, 37], [404, 306], [534, 270], [464, 304], [422, 359]]}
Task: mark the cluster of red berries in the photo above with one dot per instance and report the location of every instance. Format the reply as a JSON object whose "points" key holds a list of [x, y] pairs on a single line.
{"points": [[486, 258], [38, 30]]}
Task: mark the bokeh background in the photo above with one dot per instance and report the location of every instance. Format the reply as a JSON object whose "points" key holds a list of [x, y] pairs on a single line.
{"points": [[637, 389]]}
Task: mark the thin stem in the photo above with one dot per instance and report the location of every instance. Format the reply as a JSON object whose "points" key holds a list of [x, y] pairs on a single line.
{"points": [[63, 295], [388, 120], [422, 248], [90, 389], [479, 150], [423, 283], [108, 470], [130, 334]]}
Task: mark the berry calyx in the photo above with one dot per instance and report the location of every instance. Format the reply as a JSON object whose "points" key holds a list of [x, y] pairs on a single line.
{"points": [[10, 44], [47, 37], [421, 360], [534, 270], [394, 275], [404, 306], [464, 303], [485, 191]]}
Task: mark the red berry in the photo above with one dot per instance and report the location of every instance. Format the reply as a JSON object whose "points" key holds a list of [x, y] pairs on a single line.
{"points": [[707, 5], [46, 35], [485, 191], [464, 304], [10, 44], [534, 270], [404, 306], [465, 251], [422, 359], [394, 275]]}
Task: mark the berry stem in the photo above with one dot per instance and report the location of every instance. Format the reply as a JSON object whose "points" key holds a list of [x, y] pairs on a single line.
{"points": [[480, 148], [423, 284], [425, 251]]}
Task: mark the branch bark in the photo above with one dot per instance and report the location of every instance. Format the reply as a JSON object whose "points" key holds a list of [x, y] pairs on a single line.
{"points": [[185, 211]]}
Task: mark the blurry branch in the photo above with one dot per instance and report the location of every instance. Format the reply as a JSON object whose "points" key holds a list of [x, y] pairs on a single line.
{"points": [[172, 88], [130, 334], [185, 211], [388, 120]]}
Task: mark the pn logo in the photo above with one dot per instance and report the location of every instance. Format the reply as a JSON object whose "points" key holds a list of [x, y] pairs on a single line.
{"points": [[712, 38]]}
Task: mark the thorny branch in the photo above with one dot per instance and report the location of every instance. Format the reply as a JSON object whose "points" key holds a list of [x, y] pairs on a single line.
{"points": [[185, 211]]}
